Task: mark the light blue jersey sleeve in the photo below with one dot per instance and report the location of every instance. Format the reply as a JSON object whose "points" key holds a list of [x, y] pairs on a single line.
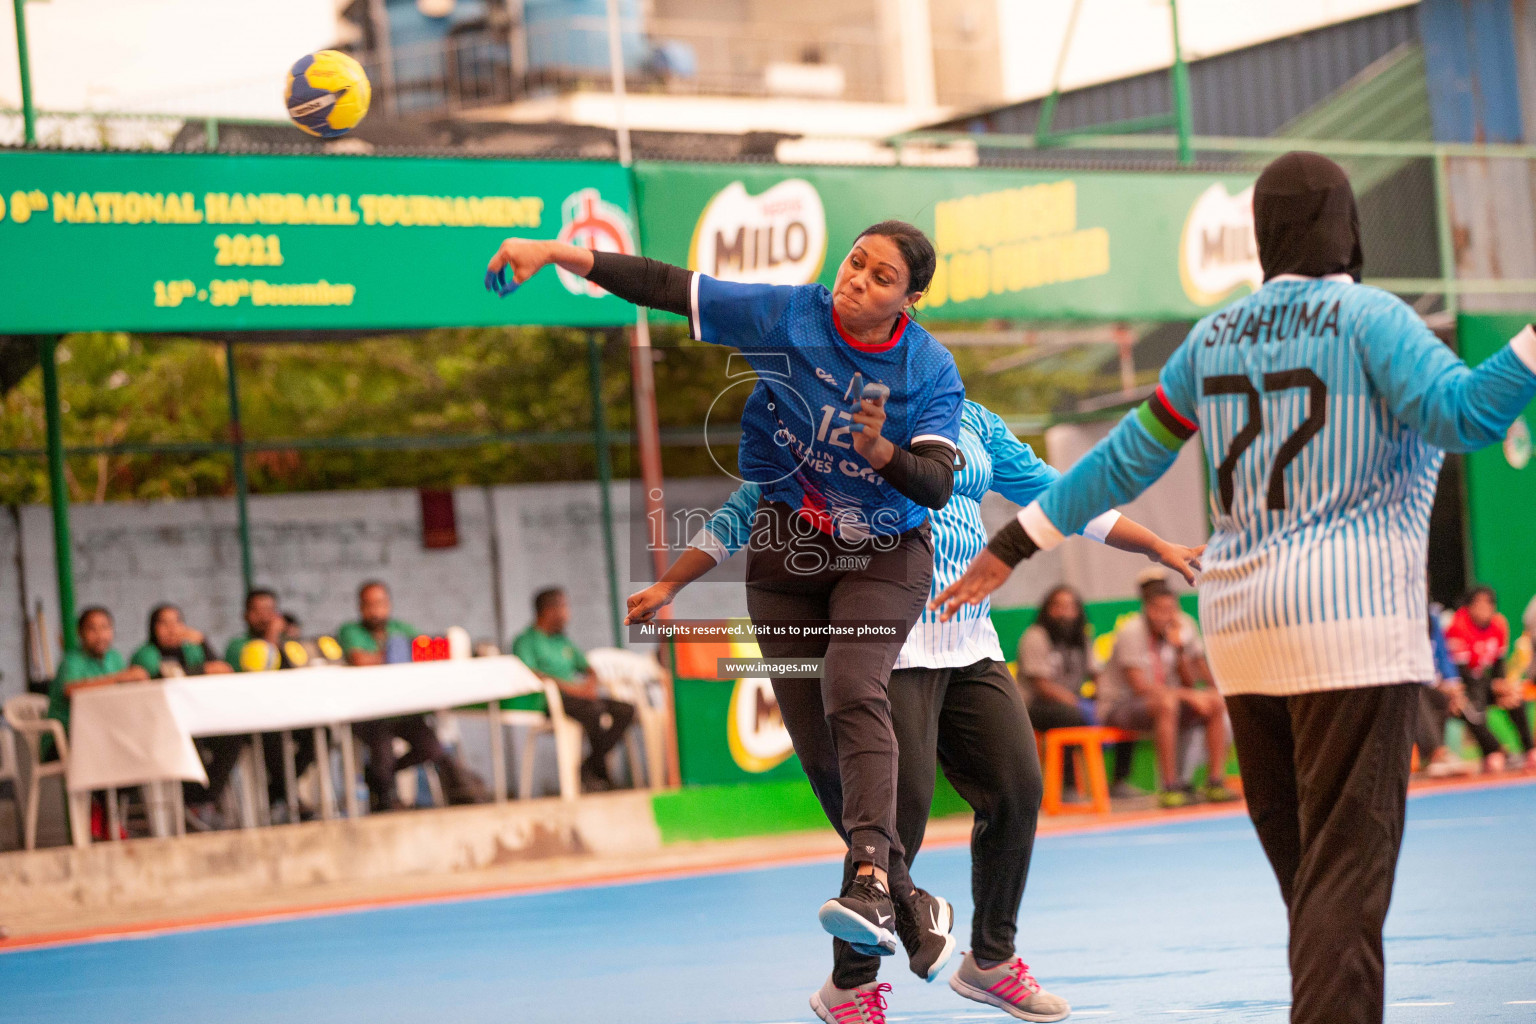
{"points": [[1021, 476], [1018, 474], [730, 527], [1135, 455], [1447, 403], [730, 313]]}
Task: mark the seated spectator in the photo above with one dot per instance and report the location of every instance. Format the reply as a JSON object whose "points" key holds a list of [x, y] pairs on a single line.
{"points": [[261, 647], [366, 642], [175, 649], [544, 648], [1055, 659], [1528, 623], [1150, 685], [94, 663], [1479, 640], [1441, 698]]}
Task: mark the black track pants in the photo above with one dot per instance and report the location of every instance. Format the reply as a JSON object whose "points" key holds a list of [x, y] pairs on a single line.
{"points": [[793, 578], [1326, 777]]}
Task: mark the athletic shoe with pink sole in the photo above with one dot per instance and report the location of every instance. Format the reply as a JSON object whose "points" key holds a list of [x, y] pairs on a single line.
{"points": [[862, 1005], [1010, 987]]}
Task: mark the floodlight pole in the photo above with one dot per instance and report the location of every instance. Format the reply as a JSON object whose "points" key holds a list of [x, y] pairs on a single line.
{"points": [[58, 490], [604, 481], [616, 74], [642, 368], [237, 452], [1048, 107], [28, 114], [1182, 115]]}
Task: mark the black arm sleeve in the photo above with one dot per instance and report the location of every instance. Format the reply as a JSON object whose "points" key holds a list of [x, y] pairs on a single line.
{"points": [[1012, 544], [645, 282], [925, 474]]}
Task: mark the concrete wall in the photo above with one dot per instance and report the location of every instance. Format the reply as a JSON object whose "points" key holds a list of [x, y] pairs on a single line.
{"points": [[314, 550], [56, 889], [13, 599]]}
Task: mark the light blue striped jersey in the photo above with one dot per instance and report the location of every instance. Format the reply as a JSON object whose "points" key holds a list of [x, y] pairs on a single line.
{"points": [[995, 460], [1325, 407]]}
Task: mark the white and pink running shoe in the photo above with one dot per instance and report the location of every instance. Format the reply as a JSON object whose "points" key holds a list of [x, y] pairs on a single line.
{"points": [[1010, 987], [862, 1005]]}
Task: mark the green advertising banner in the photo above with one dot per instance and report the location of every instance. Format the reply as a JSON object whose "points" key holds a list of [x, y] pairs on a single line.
{"points": [[1012, 244], [1500, 479], [730, 731], [170, 242]]}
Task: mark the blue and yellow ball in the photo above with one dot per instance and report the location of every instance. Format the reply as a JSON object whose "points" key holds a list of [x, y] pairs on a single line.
{"points": [[327, 93]]}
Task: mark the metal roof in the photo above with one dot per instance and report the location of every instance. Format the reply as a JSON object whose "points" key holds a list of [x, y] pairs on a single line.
{"points": [[1253, 91]]}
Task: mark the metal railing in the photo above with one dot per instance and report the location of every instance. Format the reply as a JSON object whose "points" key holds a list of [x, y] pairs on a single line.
{"points": [[669, 56], [1424, 206]]}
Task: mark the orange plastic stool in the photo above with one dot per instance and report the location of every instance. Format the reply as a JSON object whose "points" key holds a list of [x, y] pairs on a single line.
{"points": [[1087, 743]]}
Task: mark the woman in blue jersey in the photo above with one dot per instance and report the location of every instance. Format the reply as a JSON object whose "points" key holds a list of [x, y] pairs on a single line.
{"points": [[850, 433], [952, 698]]}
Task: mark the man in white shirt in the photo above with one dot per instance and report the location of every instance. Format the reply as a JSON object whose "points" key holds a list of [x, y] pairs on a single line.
{"points": [[1150, 685]]}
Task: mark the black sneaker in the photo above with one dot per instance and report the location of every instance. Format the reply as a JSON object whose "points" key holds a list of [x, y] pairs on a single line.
{"points": [[923, 921], [863, 916]]}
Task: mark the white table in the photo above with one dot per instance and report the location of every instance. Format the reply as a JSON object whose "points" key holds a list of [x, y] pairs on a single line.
{"points": [[138, 734]]}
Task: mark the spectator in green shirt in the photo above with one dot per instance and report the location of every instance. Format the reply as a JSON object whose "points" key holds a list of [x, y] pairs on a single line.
{"points": [[174, 648], [545, 649], [366, 642], [93, 663], [263, 622]]}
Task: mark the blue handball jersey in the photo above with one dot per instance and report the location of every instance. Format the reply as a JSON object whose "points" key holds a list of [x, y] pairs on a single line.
{"points": [[1325, 408], [995, 460], [796, 441]]}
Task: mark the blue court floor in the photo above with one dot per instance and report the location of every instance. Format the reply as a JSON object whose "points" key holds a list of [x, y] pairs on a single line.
{"points": [[1160, 922]]}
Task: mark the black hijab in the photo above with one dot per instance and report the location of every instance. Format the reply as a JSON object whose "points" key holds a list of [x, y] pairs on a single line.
{"points": [[1305, 220], [154, 613]]}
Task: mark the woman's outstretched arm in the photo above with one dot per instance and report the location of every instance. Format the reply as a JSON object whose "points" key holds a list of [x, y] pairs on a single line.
{"points": [[645, 282]]}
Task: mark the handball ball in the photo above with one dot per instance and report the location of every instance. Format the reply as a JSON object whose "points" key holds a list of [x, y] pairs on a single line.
{"points": [[327, 93], [259, 656]]}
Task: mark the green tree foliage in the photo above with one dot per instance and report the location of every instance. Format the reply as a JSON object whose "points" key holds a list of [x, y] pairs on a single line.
{"points": [[451, 386], [447, 385]]}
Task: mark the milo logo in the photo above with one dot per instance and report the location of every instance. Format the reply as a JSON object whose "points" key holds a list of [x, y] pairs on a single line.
{"points": [[1218, 252], [755, 728], [779, 237]]}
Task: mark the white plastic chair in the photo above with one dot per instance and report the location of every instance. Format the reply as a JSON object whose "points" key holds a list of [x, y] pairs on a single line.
{"points": [[26, 714], [632, 677], [567, 734], [568, 737], [10, 772], [407, 780]]}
